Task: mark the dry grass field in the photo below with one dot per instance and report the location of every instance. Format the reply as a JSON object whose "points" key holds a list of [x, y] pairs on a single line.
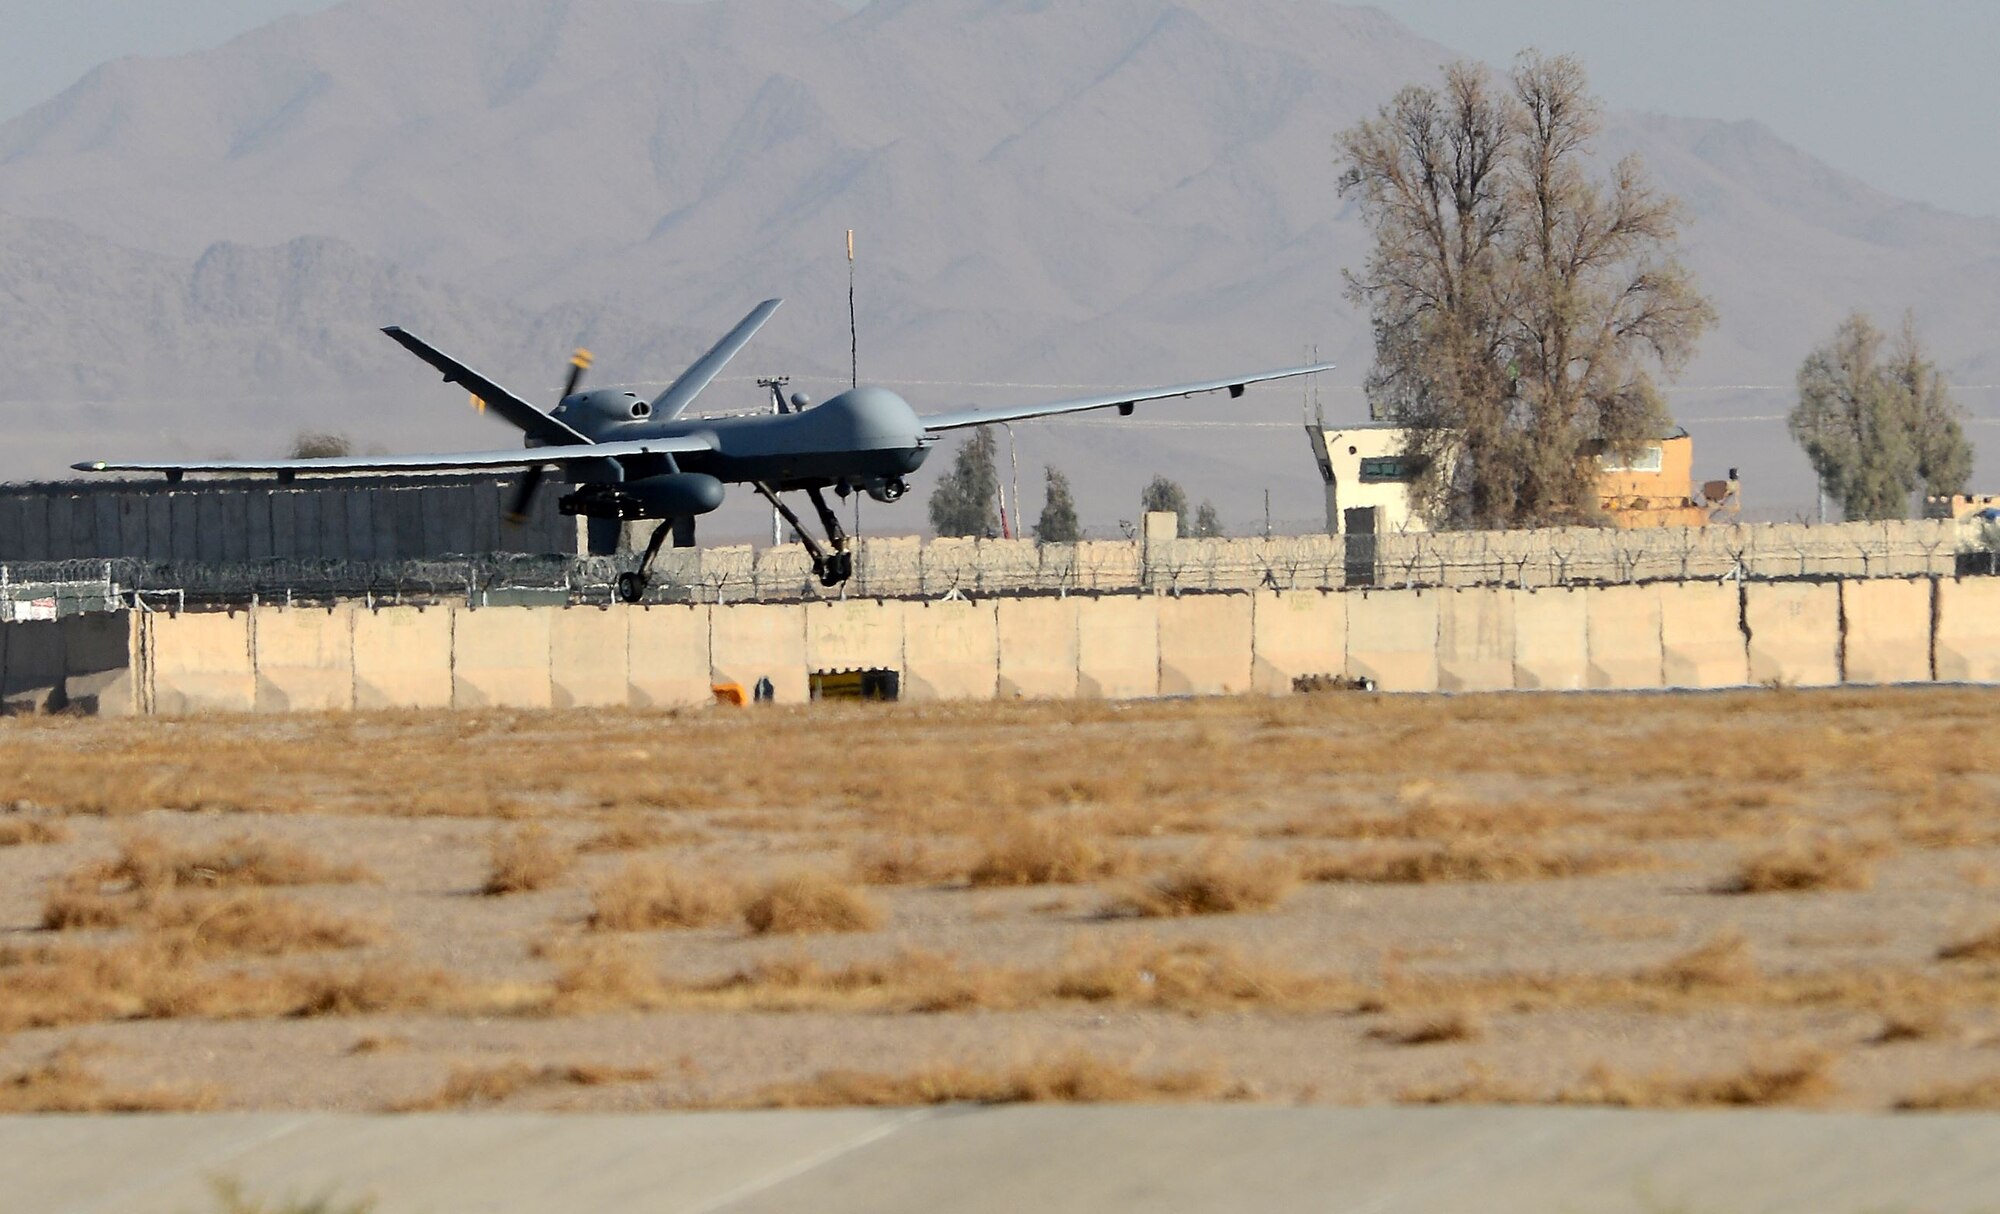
{"points": [[1758, 898]]}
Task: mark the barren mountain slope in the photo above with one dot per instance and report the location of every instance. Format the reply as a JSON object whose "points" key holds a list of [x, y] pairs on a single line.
{"points": [[1131, 190]]}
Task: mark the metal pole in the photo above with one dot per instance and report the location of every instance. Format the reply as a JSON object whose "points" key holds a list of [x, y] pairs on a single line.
{"points": [[853, 326], [1014, 458]]}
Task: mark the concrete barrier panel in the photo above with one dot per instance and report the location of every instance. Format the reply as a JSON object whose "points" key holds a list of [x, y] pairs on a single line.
{"points": [[752, 641], [1205, 644], [1476, 640], [1701, 635], [402, 658], [99, 674], [587, 657], [667, 657], [34, 664], [1038, 648], [1551, 640], [305, 659], [1968, 631], [1794, 632], [500, 657], [859, 634], [1392, 637], [201, 663], [1622, 627], [1300, 632], [1118, 648], [951, 651], [1886, 631]]}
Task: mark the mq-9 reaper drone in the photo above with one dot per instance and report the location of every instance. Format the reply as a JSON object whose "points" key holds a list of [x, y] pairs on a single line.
{"points": [[630, 458]]}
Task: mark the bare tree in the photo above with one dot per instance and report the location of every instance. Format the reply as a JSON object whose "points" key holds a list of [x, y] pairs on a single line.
{"points": [[1519, 305], [1877, 421]]}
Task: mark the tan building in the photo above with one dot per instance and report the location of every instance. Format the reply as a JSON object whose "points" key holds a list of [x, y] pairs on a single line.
{"points": [[1368, 486]]}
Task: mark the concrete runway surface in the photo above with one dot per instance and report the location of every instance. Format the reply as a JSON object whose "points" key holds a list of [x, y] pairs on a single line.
{"points": [[1047, 1160]]}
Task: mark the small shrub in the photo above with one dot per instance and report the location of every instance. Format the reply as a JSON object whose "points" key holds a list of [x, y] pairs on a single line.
{"points": [[1071, 1078], [1983, 947], [61, 1084], [1824, 864], [808, 901], [524, 860], [1223, 881], [907, 860], [650, 895], [1804, 1078], [256, 924], [1045, 852], [1948, 1097], [1469, 861], [491, 1085], [18, 832], [1448, 1026]]}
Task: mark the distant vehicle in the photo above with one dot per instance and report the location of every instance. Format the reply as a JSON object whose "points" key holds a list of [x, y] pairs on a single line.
{"points": [[630, 458]]}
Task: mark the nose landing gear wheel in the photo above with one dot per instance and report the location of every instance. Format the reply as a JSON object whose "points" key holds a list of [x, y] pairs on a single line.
{"points": [[631, 587]]}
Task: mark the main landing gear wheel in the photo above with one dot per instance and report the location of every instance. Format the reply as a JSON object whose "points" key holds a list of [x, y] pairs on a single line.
{"points": [[837, 568], [631, 587]]}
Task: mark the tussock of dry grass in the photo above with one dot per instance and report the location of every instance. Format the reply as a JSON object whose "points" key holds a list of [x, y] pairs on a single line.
{"points": [[810, 901], [523, 860], [1806, 1077], [1914, 1024], [1045, 851], [1450, 1025], [1823, 864], [1979, 1094], [1471, 861], [148, 863], [909, 860], [1072, 1078], [1982, 947], [256, 924], [650, 895], [1444, 823], [1803, 1078], [62, 1084], [473, 1086], [379, 987], [637, 832], [1222, 881], [19, 832]]}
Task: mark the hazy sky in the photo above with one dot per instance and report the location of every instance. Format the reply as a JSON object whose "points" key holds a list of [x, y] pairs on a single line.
{"points": [[1901, 93]]}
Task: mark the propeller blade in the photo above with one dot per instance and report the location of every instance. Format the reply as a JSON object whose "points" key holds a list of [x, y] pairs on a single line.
{"points": [[524, 495], [579, 362]]}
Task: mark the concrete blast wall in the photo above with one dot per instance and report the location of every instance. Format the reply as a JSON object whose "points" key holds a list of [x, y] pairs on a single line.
{"points": [[1662, 635], [1885, 631]]}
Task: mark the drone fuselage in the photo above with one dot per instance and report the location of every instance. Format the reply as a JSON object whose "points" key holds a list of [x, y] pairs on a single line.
{"points": [[867, 439]]}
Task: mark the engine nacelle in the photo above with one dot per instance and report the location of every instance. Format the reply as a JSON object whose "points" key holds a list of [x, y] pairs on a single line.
{"points": [[889, 489], [676, 495]]}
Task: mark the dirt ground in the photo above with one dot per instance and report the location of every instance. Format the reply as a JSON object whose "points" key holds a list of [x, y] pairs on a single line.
{"points": [[1767, 897]]}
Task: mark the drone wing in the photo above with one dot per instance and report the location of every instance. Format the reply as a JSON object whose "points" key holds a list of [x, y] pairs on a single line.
{"points": [[344, 465], [683, 390], [531, 421], [960, 419]]}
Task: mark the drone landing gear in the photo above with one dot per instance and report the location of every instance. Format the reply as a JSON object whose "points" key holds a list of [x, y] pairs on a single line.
{"points": [[833, 567], [632, 586]]}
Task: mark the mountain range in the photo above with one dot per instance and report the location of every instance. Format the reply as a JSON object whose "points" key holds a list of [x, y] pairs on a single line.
{"points": [[1047, 197]]}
